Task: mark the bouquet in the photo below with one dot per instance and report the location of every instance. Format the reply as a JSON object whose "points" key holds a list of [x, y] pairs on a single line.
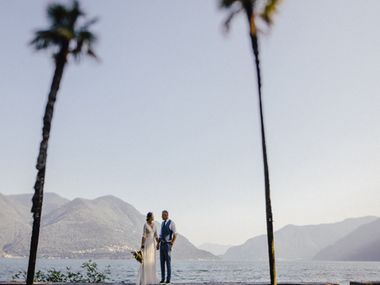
{"points": [[138, 255]]}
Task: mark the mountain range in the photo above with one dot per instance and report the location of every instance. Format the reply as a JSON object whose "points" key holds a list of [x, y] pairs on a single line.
{"points": [[105, 227], [363, 244], [214, 248], [108, 227], [355, 239]]}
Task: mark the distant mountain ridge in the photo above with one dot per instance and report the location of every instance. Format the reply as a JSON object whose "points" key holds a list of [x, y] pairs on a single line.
{"points": [[105, 227], [12, 224], [299, 242], [52, 201], [216, 249], [363, 244], [108, 227]]}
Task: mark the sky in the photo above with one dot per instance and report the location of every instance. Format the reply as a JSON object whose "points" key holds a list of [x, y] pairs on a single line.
{"points": [[168, 118]]}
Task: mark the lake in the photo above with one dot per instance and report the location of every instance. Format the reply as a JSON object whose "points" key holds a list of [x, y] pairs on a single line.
{"points": [[219, 271]]}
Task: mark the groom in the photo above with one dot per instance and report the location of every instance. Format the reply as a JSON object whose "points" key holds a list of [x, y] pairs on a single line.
{"points": [[168, 236]]}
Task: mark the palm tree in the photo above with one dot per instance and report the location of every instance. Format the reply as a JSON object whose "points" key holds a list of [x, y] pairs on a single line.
{"points": [[66, 38], [249, 7]]}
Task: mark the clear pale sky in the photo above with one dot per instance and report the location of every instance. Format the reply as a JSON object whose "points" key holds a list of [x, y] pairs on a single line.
{"points": [[168, 118]]}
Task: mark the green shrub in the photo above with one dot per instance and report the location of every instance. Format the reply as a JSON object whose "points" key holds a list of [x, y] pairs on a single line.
{"points": [[89, 274]]}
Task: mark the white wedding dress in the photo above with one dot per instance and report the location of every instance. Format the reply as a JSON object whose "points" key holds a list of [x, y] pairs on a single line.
{"points": [[147, 270]]}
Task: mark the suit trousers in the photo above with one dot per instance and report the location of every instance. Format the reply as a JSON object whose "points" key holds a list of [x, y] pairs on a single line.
{"points": [[166, 259]]}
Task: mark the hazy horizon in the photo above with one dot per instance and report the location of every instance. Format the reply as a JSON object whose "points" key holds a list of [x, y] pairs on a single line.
{"points": [[169, 119]]}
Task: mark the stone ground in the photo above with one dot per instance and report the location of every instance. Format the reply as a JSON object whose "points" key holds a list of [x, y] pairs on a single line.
{"points": [[200, 283]]}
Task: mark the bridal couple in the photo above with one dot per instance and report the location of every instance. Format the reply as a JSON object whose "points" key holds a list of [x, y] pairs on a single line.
{"points": [[151, 242]]}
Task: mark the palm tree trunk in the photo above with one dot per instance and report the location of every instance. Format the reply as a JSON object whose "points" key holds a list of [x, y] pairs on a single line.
{"points": [[248, 7], [268, 204], [60, 62]]}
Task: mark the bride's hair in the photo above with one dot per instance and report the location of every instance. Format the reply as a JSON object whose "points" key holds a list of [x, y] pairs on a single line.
{"points": [[149, 216]]}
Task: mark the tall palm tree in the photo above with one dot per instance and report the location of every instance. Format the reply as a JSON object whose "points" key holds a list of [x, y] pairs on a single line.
{"points": [[65, 37], [250, 8]]}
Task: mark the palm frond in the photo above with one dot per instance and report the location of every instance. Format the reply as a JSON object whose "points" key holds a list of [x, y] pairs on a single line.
{"points": [[269, 11], [74, 14], [231, 15], [64, 31], [91, 53], [84, 42], [59, 15], [86, 36], [44, 39], [89, 23], [228, 3], [56, 14], [252, 10]]}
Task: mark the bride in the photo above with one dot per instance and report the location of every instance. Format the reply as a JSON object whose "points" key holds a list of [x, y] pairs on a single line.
{"points": [[147, 271]]}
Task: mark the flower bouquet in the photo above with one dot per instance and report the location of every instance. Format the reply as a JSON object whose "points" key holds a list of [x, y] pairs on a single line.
{"points": [[138, 255]]}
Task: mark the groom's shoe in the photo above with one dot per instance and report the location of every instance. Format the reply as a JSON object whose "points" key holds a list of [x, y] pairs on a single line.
{"points": [[167, 282], [162, 282]]}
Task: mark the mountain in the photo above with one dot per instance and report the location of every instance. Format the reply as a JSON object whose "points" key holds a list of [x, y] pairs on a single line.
{"points": [[214, 248], [12, 223], [363, 244], [106, 227], [296, 242], [23, 202]]}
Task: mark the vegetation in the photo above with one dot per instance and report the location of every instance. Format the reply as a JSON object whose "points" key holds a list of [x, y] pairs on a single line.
{"points": [[65, 37], [91, 274], [254, 13]]}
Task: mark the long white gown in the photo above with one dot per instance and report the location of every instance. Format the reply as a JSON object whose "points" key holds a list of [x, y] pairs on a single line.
{"points": [[147, 270]]}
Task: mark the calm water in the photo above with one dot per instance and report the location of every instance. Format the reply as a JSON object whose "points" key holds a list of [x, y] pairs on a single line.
{"points": [[220, 271]]}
